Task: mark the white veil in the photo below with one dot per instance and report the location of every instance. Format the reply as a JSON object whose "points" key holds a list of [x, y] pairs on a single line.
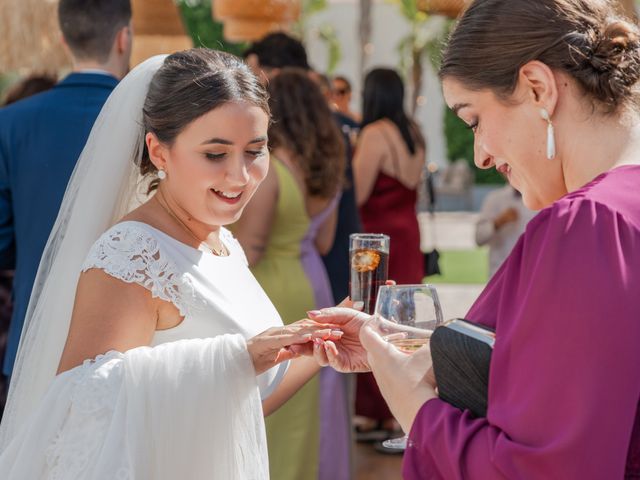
{"points": [[104, 186]]}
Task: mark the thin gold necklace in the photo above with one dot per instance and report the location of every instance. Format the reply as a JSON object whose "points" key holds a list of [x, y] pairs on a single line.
{"points": [[218, 253]]}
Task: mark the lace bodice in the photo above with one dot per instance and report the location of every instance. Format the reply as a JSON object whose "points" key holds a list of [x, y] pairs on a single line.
{"points": [[215, 295]]}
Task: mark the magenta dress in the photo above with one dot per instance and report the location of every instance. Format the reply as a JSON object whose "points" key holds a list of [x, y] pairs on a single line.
{"points": [[564, 386], [335, 418]]}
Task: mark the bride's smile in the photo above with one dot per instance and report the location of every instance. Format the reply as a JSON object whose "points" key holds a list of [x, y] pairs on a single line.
{"points": [[215, 165]]}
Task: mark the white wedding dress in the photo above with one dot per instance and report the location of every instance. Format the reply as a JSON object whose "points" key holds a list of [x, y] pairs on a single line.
{"points": [[187, 407]]}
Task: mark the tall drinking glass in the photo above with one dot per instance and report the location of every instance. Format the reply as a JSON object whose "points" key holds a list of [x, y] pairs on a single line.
{"points": [[369, 261], [406, 316]]}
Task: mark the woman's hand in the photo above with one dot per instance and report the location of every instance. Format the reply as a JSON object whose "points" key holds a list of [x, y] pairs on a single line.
{"points": [[278, 344], [406, 381], [347, 355]]}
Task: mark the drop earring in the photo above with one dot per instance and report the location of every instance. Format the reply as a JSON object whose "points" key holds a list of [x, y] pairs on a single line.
{"points": [[551, 136], [162, 174]]}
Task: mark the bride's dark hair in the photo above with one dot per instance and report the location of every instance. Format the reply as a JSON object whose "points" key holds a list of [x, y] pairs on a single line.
{"points": [[188, 85]]}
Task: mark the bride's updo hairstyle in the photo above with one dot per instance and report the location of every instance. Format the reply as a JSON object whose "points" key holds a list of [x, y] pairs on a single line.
{"points": [[586, 39], [190, 84]]}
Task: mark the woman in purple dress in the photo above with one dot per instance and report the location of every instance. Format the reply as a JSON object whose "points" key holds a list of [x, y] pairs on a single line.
{"points": [[550, 89]]}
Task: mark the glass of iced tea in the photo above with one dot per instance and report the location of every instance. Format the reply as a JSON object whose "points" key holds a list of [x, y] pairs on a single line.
{"points": [[369, 261], [406, 316]]}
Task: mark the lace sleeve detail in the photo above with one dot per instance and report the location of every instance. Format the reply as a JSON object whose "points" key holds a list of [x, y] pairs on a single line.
{"points": [[131, 254]]}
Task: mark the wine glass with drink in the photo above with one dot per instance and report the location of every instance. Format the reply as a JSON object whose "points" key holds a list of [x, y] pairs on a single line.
{"points": [[406, 316]]}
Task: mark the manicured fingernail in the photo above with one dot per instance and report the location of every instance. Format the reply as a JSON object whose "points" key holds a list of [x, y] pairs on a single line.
{"points": [[314, 313], [337, 332], [359, 305], [317, 341]]}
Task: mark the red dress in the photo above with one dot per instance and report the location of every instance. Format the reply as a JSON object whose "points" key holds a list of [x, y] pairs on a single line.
{"points": [[390, 209]]}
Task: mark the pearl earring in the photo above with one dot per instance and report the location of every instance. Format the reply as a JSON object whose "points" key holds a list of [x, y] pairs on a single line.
{"points": [[551, 137], [162, 174]]}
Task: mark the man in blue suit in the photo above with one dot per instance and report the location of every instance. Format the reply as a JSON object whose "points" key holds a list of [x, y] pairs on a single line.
{"points": [[42, 137]]}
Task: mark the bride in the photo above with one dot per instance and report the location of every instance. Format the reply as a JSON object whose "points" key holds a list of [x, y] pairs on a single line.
{"points": [[142, 356]]}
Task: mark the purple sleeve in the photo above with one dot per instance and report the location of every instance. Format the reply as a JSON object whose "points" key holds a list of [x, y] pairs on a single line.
{"points": [[564, 382]]}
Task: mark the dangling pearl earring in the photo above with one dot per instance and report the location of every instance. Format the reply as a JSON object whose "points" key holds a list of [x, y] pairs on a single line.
{"points": [[551, 137], [162, 174]]}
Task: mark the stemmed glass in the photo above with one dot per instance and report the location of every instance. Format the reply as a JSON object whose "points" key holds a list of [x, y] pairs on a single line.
{"points": [[405, 316]]}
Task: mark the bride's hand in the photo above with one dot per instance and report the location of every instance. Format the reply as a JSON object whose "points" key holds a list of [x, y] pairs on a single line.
{"points": [[347, 355], [278, 344]]}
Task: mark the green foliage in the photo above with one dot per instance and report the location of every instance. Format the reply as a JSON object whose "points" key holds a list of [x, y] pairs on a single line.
{"points": [[460, 145], [309, 7], [6, 80], [204, 31], [328, 35]]}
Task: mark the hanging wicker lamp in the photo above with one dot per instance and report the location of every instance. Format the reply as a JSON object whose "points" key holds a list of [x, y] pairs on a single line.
{"points": [[450, 8], [157, 28], [248, 20]]}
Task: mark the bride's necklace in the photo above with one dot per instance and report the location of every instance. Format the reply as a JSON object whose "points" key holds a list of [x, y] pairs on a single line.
{"points": [[222, 252]]}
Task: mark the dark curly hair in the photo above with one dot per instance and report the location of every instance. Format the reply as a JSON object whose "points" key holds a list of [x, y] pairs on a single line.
{"points": [[587, 39], [304, 125], [190, 84]]}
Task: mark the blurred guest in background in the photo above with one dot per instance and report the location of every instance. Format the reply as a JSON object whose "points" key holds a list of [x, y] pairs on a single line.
{"points": [[341, 97], [25, 88], [41, 138], [292, 218], [501, 222], [387, 168], [266, 57], [29, 86], [275, 52]]}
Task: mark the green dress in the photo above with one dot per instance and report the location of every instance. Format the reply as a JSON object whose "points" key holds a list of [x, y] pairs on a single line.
{"points": [[293, 430]]}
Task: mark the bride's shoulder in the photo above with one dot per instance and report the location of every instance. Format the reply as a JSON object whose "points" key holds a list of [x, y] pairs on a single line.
{"points": [[125, 244]]}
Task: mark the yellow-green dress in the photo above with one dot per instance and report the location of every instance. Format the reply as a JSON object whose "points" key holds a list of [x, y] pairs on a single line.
{"points": [[293, 431]]}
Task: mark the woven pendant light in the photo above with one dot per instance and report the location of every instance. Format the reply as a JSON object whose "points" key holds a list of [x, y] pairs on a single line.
{"points": [[248, 20], [157, 28]]}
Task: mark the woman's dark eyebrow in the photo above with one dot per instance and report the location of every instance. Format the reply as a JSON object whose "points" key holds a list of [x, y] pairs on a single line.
{"points": [[217, 140], [227, 142], [459, 106]]}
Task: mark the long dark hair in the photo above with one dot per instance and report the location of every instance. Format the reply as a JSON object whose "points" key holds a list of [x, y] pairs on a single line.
{"points": [[190, 84], [586, 39], [383, 97], [304, 125]]}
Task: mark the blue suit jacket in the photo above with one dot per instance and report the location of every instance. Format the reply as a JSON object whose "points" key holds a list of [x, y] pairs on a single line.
{"points": [[41, 139]]}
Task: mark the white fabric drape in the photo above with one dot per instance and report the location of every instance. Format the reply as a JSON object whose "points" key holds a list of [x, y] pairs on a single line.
{"points": [[127, 416]]}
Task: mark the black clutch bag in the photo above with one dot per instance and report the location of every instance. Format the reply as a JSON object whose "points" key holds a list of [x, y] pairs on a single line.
{"points": [[461, 353]]}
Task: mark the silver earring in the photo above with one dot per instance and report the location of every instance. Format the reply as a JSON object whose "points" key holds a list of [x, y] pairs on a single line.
{"points": [[551, 136], [162, 174]]}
